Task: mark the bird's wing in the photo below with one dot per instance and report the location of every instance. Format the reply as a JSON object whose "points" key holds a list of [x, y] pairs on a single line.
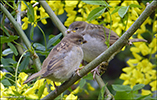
{"points": [[56, 58], [113, 36], [99, 32], [54, 65]]}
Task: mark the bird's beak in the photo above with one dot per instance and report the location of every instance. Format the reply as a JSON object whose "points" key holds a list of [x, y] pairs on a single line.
{"points": [[73, 31], [84, 42], [68, 31]]}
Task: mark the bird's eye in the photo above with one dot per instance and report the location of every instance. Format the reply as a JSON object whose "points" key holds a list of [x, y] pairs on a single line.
{"points": [[76, 28], [79, 40]]}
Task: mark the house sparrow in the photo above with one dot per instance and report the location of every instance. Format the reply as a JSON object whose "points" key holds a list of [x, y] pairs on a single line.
{"points": [[95, 36], [63, 59]]}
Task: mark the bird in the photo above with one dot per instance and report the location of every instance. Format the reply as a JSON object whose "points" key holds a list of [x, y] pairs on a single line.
{"points": [[96, 36], [63, 60]]}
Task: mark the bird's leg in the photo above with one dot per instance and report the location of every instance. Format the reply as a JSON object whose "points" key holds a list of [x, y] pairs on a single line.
{"points": [[99, 69], [77, 70], [55, 87], [103, 67], [95, 71], [83, 64]]}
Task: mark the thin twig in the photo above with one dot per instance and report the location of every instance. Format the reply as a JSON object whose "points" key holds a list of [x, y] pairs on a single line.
{"points": [[53, 17]]}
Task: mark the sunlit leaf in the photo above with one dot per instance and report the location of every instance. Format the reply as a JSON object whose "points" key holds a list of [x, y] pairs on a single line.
{"points": [[138, 87], [7, 52], [96, 13], [122, 11], [121, 88], [134, 5], [116, 10], [123, 96], [98, 2]]}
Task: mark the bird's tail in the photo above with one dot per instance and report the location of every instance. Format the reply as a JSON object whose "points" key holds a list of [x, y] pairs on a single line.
{"points": [[32, 77]]}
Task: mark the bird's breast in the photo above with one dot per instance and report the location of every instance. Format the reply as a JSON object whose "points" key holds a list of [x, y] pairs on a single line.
{"points": [[93, 47]]}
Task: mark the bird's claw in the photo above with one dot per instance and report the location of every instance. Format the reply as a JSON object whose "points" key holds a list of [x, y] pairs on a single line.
{"points": [[95, 71], [77, 71]]}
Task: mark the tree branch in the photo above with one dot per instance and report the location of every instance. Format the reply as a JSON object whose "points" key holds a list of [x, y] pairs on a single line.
{"points": [[101, 84], [108, 53], [22, 36], [53, 17]]}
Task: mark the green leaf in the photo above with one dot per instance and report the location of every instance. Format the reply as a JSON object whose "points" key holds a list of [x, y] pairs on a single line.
{"points": [[121, 88], [24, 63], [7, 61], [43, 52], [116, 10], [41, 90], [123, 96], [32, 32], [101, 94], [4, 29], [89, 76], [30, 13], [138, 87], [60, 97], [96, 13], [96, 2], [53, 40], [16, 93], [39, 46], [122, 11], [146, 97], [7, 52], [13, 48], [5, 39], [134, 5], [82, 83], [6, 82]]}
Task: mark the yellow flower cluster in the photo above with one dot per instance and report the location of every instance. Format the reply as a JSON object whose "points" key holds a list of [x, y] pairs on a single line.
{"points": [[141, 70], [80, 14], [23, 90], [30, 92], [25, 19], [56, 6], [79, 11]]}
